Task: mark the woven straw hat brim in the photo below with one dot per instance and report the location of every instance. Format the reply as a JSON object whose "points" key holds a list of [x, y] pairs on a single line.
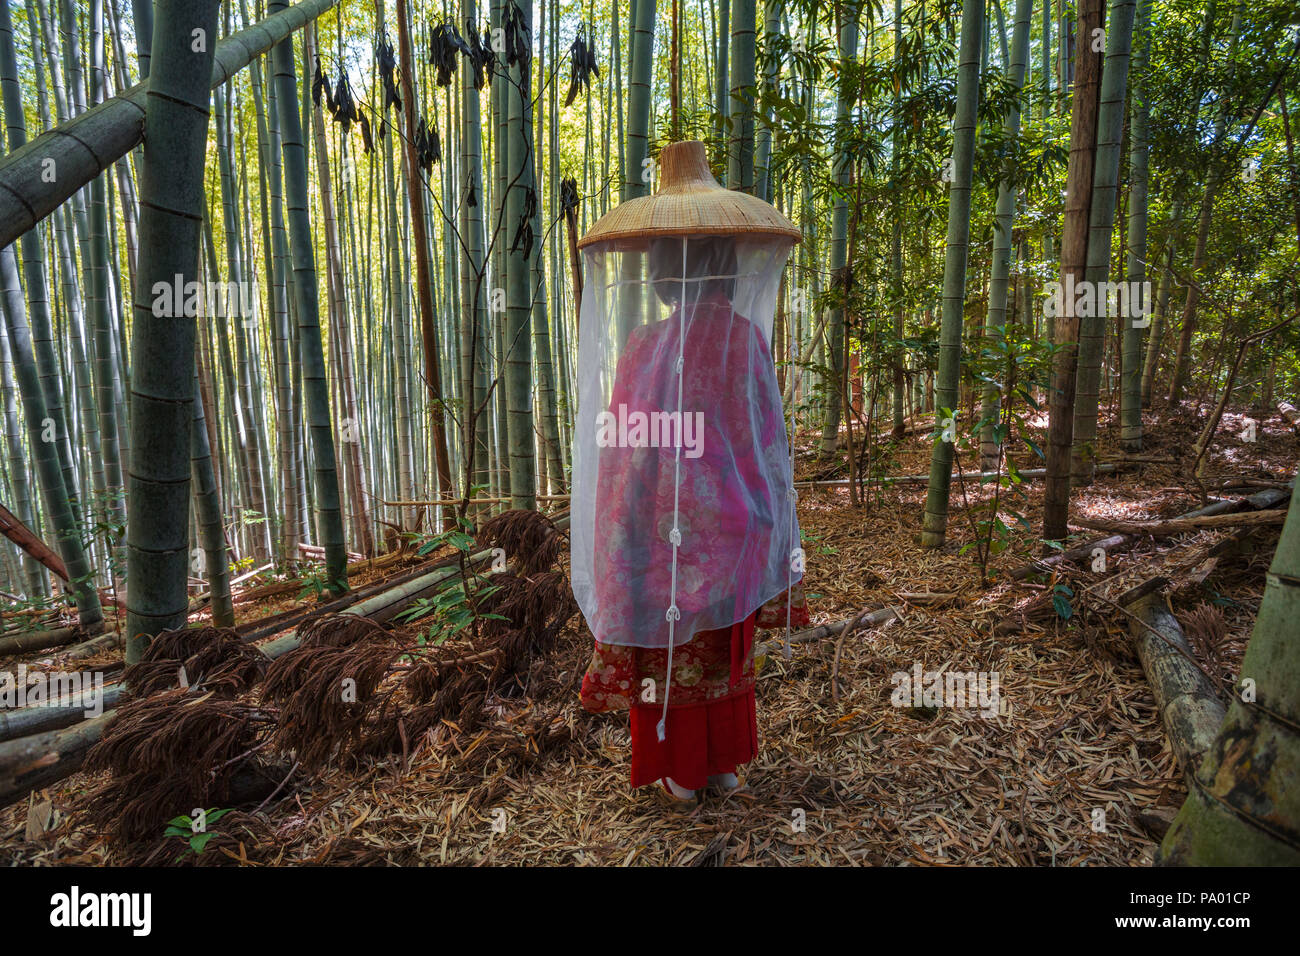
{"points": [[689, 203]]}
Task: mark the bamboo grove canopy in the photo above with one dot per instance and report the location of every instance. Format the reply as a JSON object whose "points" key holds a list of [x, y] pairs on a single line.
{"points": [[683, 502]]}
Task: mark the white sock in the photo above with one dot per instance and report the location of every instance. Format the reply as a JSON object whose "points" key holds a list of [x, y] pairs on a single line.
{"points": [[678, 791], [727, 781]]}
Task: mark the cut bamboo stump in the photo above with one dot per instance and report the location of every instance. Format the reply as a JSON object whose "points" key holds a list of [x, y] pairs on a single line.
{"points": [[1188, 702], [96, 645]]}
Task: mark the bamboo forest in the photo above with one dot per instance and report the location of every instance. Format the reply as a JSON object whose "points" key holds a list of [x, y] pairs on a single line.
{"points": [[893, 406]]}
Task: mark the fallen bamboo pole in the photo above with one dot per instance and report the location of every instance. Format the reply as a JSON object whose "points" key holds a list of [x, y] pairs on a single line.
{"points": [[39, 640], [31, 542], [26, 721], [29, 763], [1172, 526], [1188, 703]]}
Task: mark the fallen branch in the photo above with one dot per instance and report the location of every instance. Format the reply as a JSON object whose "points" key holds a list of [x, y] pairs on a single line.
{"points": [[869, 619], [1172, 526]]}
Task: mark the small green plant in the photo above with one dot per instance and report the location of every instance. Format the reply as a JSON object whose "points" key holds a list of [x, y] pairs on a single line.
{"points": [[452, 611], [183, 827], [1008, 368], [1061, 594], [314, 582], [454, 608]]}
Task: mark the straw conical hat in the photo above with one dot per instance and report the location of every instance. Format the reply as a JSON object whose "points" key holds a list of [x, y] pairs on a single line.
{"points": [[689, 203]]}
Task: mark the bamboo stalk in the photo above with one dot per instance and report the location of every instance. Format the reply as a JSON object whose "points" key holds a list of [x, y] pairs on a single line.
{"points": [[87, 145]]}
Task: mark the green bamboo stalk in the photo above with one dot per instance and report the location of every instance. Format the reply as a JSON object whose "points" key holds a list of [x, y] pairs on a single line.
{"points": [[640, 75], [1243, 806], [1003, 223], [171, 197], [37, 583], [315, 385], [1139, 126], [519, 282], [33, 262], [842, 172], [234, 316], [288, 445], [740, 151], [721, 80], [763, 137], [1101, 223], [935, 521], [341, 336], [85, 144], [49, 474], [207, 508]]}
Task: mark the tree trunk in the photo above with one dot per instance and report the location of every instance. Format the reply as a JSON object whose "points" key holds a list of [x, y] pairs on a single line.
{"points": [[1101, 224], [1074, 258]]}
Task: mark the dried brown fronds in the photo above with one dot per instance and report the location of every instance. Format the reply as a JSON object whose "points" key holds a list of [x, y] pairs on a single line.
{"points": [[214, 658], [1207, 629], [327, 691], [529, 538], [169, 753], [340, 630]]}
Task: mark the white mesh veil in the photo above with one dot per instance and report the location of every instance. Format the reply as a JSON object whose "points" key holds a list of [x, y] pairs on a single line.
{"points": [[704, 451]]}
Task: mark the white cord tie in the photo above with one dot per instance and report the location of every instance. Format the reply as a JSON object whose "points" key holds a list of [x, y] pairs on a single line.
{"points": [[674, 615]]}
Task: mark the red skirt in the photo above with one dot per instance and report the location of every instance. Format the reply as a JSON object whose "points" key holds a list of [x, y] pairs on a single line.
{"points": [[702, 739]]}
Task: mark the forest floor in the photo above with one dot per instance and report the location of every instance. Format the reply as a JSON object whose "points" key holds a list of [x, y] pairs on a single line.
{"points": [[1078, 769]]}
